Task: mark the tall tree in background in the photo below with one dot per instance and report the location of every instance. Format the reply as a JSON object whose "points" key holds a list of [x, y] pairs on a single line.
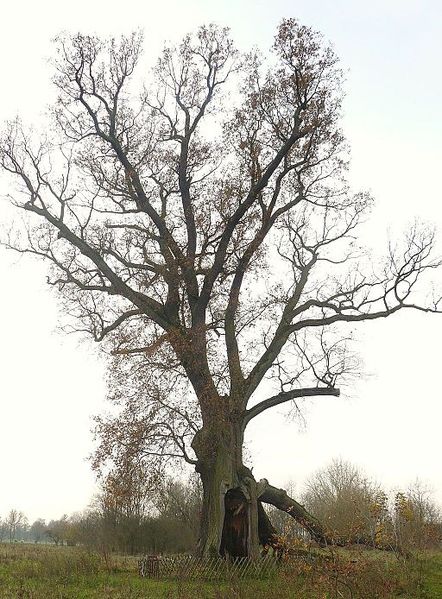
{"points": [[203, 230], [15, 521]]}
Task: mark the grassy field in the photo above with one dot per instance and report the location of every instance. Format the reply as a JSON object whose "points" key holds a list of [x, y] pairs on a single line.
{"points": [[47, 572]]}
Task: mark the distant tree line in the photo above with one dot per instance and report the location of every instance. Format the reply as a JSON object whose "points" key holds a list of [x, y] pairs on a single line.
{"points": [[121, 519], [137, 515]]}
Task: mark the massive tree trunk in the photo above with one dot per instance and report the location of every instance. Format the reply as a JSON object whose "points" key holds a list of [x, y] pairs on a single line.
{"points": [[229, 518], [233, 521]]}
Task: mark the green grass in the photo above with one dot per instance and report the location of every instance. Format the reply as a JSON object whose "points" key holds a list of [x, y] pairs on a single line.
{"points": [[47, 572], [429, 572]]}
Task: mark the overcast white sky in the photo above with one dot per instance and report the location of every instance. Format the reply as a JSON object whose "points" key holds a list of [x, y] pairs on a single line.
{"points": [[390, 422]]}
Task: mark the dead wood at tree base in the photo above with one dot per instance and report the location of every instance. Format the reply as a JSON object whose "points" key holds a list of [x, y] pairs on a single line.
{"points": [[279, 499], [268, 535], [282, 501], [235, 529]]}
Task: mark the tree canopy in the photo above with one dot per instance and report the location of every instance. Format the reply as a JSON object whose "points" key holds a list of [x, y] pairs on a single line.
{"points": [[201, 227]]}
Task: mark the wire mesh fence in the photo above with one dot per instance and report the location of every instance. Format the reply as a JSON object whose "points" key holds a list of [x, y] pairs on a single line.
{"points": [[191, 567]]}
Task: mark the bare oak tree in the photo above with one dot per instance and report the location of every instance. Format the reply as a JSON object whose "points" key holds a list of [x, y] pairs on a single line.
{"points": [[202, 229]]}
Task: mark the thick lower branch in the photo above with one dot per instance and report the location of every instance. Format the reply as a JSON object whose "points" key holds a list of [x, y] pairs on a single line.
{"points": [[282, 501]]}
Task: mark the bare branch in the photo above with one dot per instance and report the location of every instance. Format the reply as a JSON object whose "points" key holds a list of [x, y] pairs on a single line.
{"points": [[286, 396]]}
